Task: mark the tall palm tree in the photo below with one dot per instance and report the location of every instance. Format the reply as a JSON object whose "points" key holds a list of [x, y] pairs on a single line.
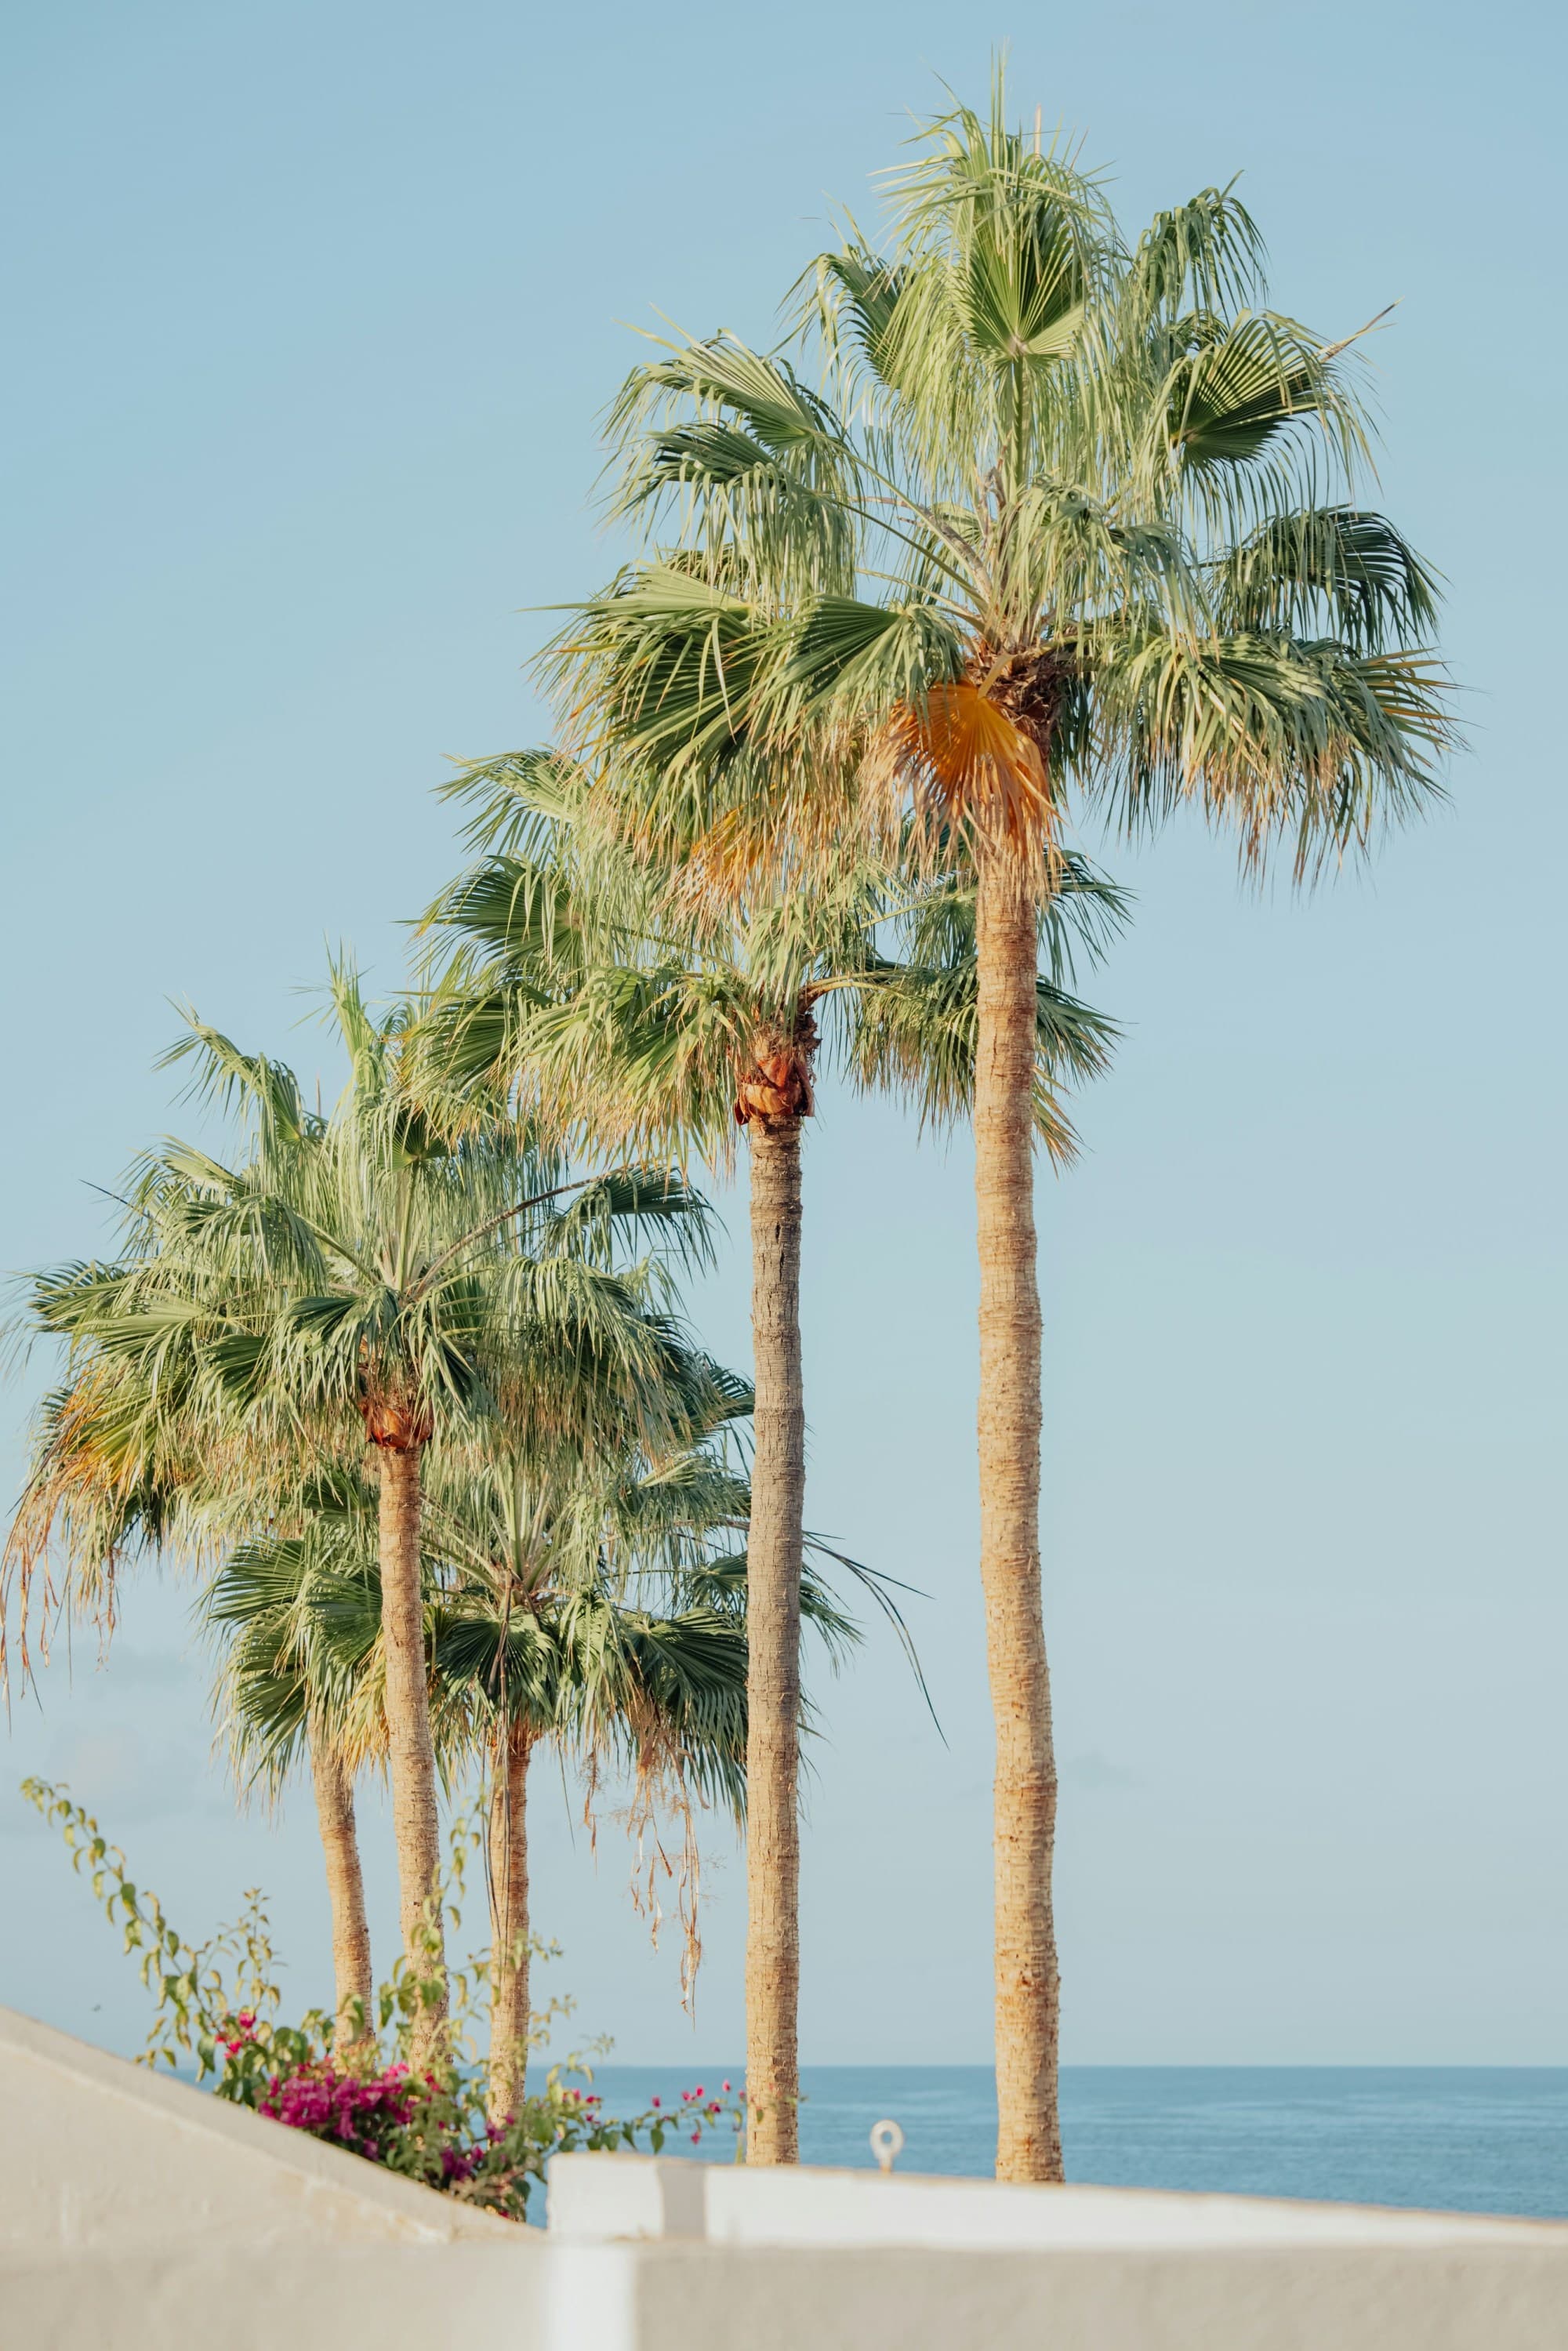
{"points": [[581, 981], [1069, 524], [357, 1288]]}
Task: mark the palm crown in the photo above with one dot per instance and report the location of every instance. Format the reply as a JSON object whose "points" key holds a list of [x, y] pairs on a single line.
{"points": [[582, 987], [1065, 515]]}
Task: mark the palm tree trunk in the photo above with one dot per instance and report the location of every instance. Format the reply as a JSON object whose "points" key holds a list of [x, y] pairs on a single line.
{"points": [[1029, 2139], [353, 1989], [508, 1920], [415, 1818], [773, 1629]]}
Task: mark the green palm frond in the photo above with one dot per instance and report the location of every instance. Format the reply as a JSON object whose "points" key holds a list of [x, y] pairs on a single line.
{"points": [[1282, 738], [1327, 571]]}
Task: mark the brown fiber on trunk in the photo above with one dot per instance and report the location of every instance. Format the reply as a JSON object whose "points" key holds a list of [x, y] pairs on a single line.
{"points": [[352, 1981], [773, 1625], [416, 1824], [508, 1920], [1029, 2137]]}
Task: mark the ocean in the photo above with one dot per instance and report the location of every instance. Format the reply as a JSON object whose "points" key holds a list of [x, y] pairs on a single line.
{"points": [[1452, 2139]]}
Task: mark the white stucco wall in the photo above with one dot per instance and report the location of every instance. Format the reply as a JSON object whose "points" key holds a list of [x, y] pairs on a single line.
{"points": [[692, 2297], [640, 2197], [138, 2215]]}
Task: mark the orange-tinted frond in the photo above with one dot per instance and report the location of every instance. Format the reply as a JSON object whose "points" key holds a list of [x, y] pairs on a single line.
{"points": [[958, 758]]}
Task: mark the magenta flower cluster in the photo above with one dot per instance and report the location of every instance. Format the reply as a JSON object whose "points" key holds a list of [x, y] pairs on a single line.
{"points": [[355, 2110], [367, 2111], [709, 2113], [427, 2125]]}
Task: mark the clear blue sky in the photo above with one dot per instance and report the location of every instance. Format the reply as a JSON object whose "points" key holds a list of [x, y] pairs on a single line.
{"points": [[312, 310]]}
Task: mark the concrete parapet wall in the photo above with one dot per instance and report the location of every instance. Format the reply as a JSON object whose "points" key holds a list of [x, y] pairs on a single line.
{"points": [[782, 2260], [138, 2215], [1352, 2299], [608, 2197], [689, 2297]]}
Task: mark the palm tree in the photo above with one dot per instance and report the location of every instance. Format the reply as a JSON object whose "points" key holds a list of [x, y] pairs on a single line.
{"points": [[357, 1288], [579, 981], [547, 1638], [583, 1609], [1071, 525], [286, 1689]]}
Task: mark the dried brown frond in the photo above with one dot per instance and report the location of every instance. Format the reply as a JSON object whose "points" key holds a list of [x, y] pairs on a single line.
{"points": [[661, 1780]]}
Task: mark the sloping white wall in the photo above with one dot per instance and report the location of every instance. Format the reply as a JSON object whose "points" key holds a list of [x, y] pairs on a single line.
{"points": [[96, 2153]]}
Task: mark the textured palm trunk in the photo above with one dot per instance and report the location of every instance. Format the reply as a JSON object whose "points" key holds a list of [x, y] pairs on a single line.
{"points": [[416, 1824], [773, 1628], [352, 1988], [1029, 2137], [508, 1920]]}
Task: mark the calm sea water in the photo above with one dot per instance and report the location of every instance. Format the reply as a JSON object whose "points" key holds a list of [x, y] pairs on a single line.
{"points": [[1468, 2139]]}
